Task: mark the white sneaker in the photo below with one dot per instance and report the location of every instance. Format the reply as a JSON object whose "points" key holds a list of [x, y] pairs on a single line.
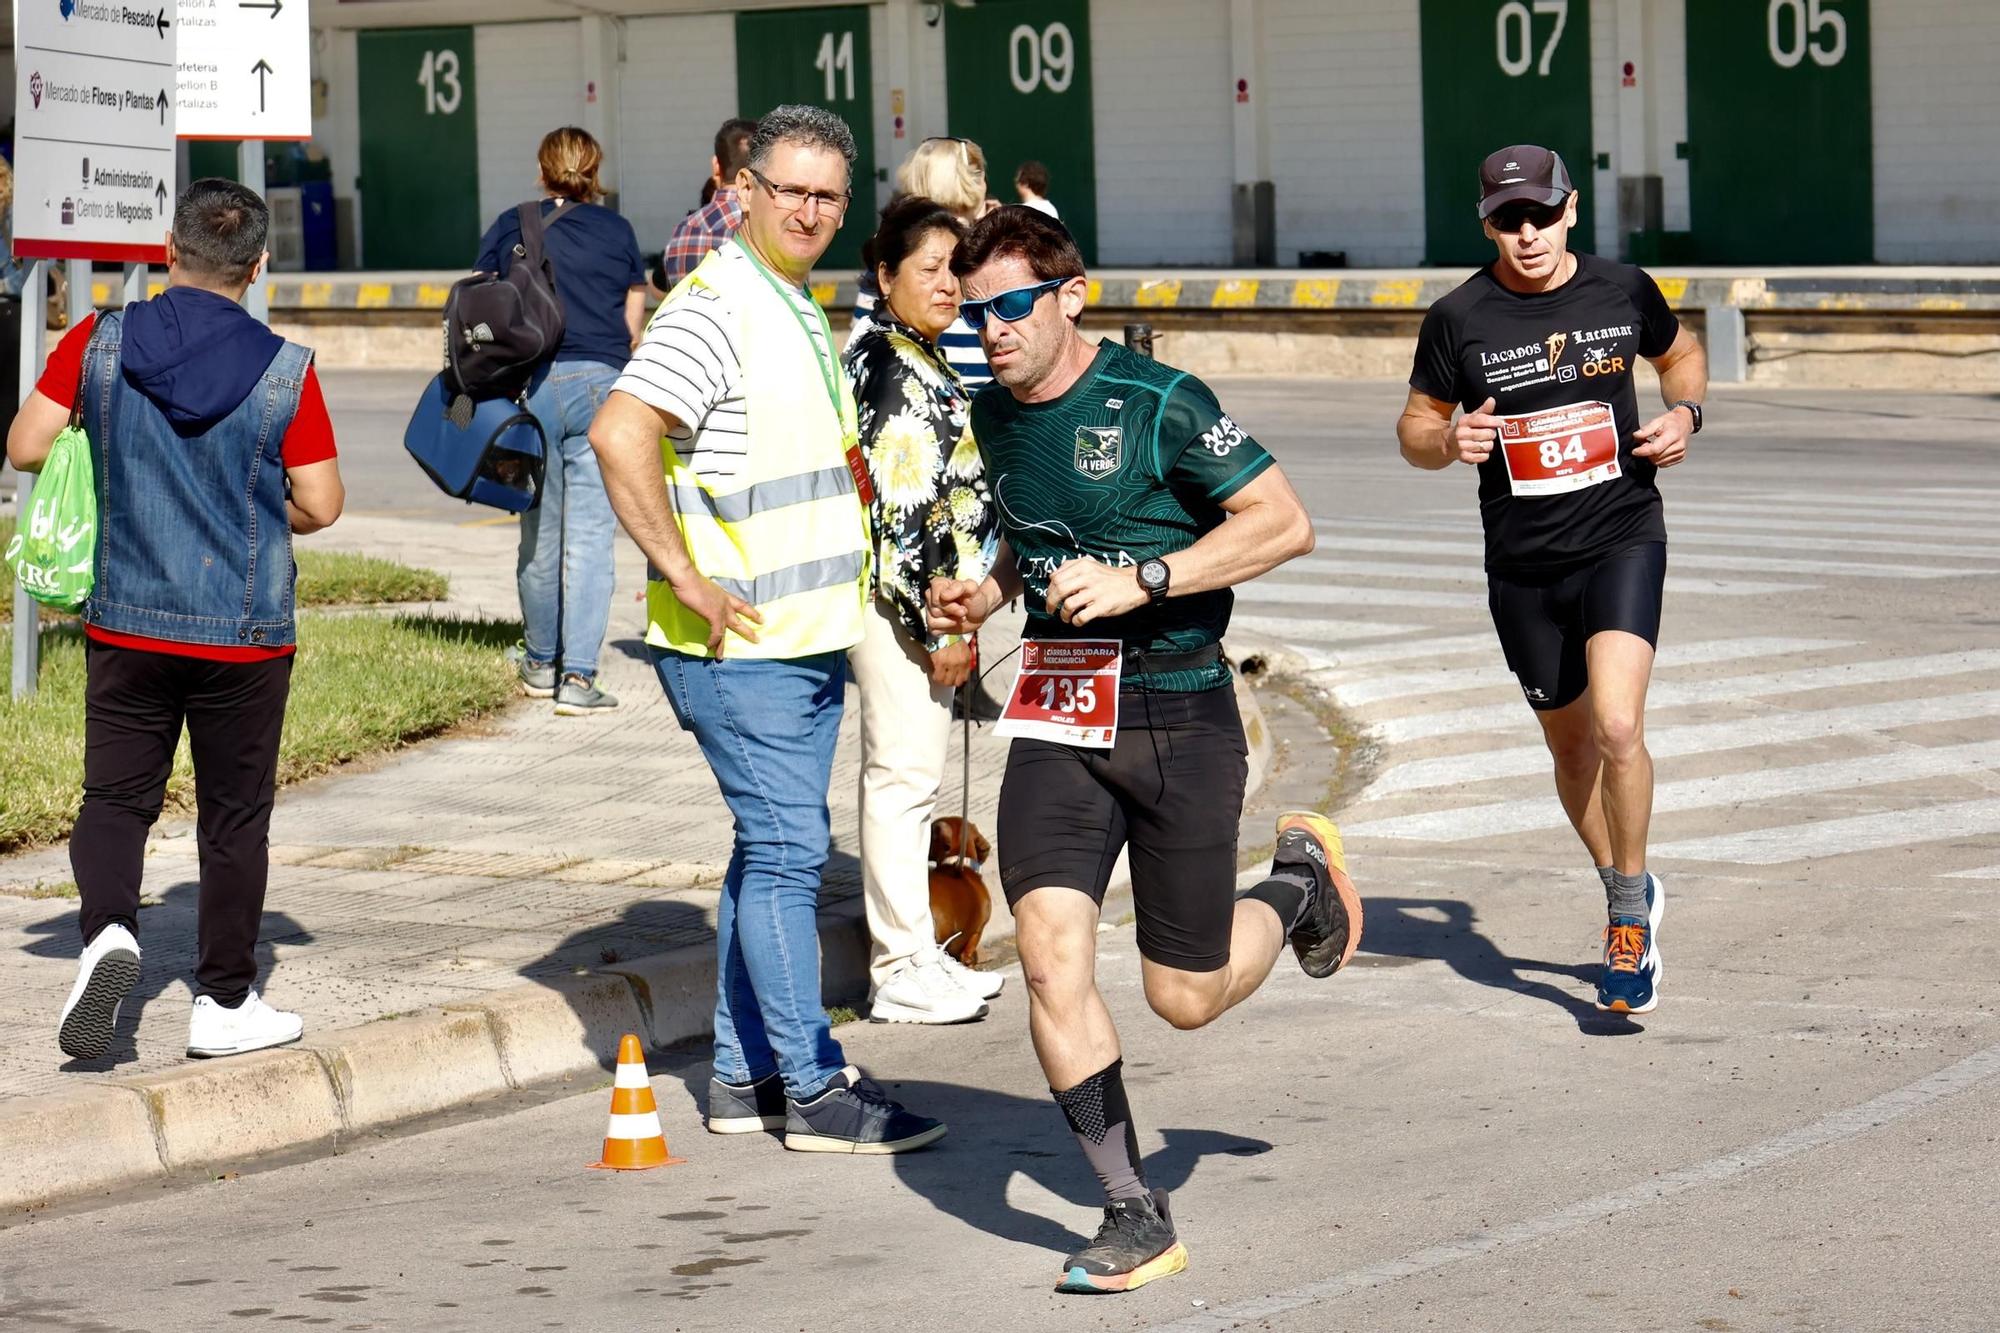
{"points": [[922, 991], [250, 1026], [105, 975], [986, 985]]}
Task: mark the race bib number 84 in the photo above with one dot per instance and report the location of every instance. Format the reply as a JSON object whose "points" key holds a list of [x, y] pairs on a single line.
{"points": [[1561, 450]]}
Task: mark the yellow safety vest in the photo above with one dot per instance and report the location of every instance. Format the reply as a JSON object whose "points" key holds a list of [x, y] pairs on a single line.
{"points": [[789, 534]]}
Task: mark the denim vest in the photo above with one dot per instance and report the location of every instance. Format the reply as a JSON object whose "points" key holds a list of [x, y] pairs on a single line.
{"points": [[194, 542]]}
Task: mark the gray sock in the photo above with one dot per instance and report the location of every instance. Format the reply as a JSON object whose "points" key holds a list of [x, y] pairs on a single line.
{"points": [[1102, 1121], [1605, 873], [1626, 894]]}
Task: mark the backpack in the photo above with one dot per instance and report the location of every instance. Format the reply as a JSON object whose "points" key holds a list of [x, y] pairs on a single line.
{"points": [[498, 331], [495, 456]]}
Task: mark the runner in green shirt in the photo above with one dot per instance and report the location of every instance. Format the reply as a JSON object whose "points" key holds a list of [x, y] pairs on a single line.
{"points": [[1129, 504]]}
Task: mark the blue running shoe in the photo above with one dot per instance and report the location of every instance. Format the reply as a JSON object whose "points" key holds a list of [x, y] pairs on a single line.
{"points": [[1630, 983]]}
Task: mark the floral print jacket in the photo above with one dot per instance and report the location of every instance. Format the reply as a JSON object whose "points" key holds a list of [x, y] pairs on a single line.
{"points": [[933, 514]]}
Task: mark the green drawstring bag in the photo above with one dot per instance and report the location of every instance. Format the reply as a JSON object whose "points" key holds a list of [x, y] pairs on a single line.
{"points": [[55, 544]]}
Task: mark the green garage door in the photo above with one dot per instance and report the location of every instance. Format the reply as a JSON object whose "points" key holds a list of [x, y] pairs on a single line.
{"points": [[1500, 72], [419, 149], [819, 57], [1017, 83], [1780, 147]]}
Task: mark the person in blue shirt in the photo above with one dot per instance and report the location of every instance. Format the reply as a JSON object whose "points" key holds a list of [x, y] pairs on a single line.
{"points": [[565, 567]]}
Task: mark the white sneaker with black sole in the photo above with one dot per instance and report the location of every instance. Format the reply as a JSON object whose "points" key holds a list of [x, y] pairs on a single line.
{"points": [[105, 975], [922, 991], [250, 1026]]}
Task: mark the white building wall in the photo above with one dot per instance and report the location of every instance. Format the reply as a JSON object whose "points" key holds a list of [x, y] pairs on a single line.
{"points": [[1605, 73], [1666, 39], [677, 85], [1160, 89], [1937, 131], [1344, 84], [529, 80]]}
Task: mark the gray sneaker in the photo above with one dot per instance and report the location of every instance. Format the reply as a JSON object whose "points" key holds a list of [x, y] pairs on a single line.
{"points": [[537, 681], [578, 695], [746, 1108], [853, 1115]]}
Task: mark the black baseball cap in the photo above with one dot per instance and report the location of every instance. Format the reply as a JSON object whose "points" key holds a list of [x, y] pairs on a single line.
{"points": [[1523, 171]]}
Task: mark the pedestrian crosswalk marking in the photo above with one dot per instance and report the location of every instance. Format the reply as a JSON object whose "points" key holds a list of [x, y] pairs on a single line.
{"points": [[1314, 629], [1679, 557], [1818, 839], [1374, 689], [1265, 591], [1672, 694], [1673, 742], [1501, 818]]}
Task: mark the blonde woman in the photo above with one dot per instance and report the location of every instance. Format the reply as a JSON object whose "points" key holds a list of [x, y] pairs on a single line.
{"points": [[564, 571], [951, 173]]}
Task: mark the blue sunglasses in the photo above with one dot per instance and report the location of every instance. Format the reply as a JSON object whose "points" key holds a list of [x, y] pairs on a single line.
{"points": [[1009, 306]]}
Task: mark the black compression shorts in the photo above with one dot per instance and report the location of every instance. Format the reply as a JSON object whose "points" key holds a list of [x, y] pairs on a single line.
{"points": [[1171, 789], [1544, 623]]}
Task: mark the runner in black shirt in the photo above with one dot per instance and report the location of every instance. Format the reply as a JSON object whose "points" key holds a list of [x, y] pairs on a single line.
{"points": [[1539, 348]]}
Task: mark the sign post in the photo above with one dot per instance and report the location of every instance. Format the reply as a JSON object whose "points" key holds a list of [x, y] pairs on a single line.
{"points": [[93, 175], [246, 73]]}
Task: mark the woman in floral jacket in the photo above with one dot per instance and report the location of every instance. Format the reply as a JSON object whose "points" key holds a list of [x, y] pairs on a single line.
{"points": [[933, 518]]}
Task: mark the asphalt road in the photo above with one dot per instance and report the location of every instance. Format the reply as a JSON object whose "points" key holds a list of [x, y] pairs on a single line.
{"points": [[1803, 1136]]}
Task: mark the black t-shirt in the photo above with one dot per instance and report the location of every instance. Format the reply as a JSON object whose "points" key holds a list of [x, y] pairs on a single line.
{"points": [[1561, 488], [596, 259]]}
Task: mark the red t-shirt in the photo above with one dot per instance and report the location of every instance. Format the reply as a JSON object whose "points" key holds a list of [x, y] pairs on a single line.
{"points": [[309, 439]]}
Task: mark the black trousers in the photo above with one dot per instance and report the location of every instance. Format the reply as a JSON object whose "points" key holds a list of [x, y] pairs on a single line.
{"points": [[134, 707]]}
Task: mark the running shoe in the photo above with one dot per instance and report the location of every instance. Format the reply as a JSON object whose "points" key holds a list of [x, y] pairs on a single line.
{"points": [[1135, 1245], [852, 1114], [579, 696], [1630, 983], [251, 1026], [105, 975], [1329, 926], [746, 1108]]}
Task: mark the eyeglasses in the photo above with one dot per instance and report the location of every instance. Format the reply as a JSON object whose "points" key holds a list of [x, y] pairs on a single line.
{"points": [[1512, 217], [964, 145], [792, 198], [1009, 306]]}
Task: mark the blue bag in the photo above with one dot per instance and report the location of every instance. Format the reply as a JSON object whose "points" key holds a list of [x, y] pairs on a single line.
{"points": [[487, 453]]}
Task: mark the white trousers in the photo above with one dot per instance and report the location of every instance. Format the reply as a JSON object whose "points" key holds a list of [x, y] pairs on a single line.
{"points": [[905, 734]]}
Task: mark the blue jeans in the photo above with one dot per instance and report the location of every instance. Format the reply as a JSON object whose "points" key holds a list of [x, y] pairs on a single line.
{"points": [[564, 571], [767, 729]]}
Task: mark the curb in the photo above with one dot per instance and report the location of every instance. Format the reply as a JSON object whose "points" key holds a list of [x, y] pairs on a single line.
{"points": [[107, 1136]]}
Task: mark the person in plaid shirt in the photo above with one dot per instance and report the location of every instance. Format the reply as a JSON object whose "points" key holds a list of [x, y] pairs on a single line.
{"points": [[717, 220]]}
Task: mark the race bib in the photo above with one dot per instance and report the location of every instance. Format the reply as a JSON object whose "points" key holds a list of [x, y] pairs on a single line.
{"points": [[1066, 690], [1563, 449]]}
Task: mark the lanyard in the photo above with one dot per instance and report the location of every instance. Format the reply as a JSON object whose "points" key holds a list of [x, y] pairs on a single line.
{"points": [[828, 374]]}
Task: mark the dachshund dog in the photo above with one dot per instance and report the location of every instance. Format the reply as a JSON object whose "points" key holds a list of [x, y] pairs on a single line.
{"points": [[960, 904]]}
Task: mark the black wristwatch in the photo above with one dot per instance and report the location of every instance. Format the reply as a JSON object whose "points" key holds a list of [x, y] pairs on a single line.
{"points": [[1153, 577], [1694, 410]]}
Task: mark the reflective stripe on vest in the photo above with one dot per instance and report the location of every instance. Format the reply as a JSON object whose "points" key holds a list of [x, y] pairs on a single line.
{"points": [[790, 535]]}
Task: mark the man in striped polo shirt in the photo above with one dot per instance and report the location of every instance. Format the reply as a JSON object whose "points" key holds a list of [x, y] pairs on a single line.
{"points": [[757, 535]]}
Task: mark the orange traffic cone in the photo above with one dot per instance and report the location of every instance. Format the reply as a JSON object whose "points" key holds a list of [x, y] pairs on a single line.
{"points": [[633, 1141]]}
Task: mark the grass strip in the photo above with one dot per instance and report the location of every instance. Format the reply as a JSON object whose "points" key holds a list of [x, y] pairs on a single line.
{"points": [[362, 685]]}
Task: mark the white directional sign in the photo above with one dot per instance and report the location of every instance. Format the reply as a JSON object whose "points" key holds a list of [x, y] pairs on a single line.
{"points": [[245, 69], [94, 129]]}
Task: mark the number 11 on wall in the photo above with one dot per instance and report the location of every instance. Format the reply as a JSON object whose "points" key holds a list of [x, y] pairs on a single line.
{"points": [[834, 58]]}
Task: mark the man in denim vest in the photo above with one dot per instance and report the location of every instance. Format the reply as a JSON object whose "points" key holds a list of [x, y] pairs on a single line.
{"points": [[212, 448]]}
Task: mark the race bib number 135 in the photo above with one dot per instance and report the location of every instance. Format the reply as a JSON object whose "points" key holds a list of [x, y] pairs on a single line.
{"points": [[1561, 450], [1067, 691]]}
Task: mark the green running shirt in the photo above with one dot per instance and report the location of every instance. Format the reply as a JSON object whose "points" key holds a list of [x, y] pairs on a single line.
{"points": [[1133, 462]]}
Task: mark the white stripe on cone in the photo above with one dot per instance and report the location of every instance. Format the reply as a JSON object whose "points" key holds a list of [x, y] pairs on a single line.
{"points": [[644, 1126], [630, 1076]]}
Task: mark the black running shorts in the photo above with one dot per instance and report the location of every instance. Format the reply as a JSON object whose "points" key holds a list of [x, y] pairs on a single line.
{"points": [[1170, 788], [1544, 623]]}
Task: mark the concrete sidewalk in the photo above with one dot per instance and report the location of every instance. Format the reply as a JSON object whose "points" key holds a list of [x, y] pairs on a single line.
{"points": [[486, 911]]}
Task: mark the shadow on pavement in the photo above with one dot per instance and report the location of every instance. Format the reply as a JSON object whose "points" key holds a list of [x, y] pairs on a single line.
{"points": [[166, 958], [1403, 928]]}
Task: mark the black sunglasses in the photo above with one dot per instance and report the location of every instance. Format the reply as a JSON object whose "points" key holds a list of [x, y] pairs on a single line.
{"points": [[1512, 217]]}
